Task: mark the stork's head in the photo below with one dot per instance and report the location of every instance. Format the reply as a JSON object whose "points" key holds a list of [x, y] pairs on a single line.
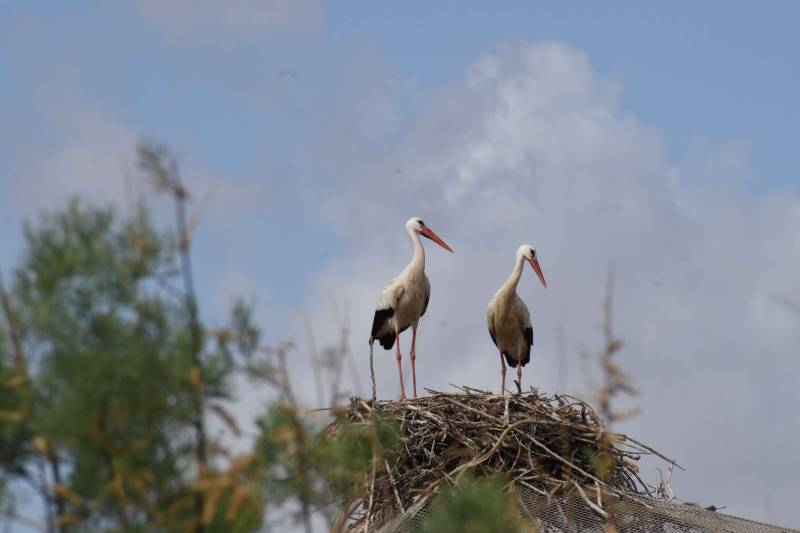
{"points": [[527, 253], [416, 225]]}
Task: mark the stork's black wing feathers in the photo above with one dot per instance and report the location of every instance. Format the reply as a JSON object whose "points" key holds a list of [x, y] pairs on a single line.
{"points": [[526, 354], [529, 344], [425, 307], [381, 316]]}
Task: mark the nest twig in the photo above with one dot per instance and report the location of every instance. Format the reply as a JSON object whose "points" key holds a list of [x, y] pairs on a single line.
{"points": [[548, 444]]}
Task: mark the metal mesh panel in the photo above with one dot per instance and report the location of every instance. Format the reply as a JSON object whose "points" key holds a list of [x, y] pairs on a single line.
{"points": [[630, 515]]}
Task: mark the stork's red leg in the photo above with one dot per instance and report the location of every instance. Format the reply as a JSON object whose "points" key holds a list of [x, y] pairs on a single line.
{"points": [[400, 367], [414, 358], [519, 376], [503, 372]]}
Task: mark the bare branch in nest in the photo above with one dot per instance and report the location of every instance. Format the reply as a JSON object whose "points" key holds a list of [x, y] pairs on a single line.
{"points": [[664, 487]]}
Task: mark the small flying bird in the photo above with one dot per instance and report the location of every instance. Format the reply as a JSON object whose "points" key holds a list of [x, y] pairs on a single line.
{"points": [[509, 320], [286, 73], [403, 301]]}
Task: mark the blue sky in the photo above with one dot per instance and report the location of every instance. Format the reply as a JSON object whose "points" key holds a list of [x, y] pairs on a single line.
{"points": [[662, 136], [710, 72]]}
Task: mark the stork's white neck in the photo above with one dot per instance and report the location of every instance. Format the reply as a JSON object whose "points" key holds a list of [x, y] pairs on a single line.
{"points": [[417, 264], [510, 286]]}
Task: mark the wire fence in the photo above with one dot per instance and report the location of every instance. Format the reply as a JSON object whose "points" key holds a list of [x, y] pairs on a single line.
{"points": [[571, 514]]}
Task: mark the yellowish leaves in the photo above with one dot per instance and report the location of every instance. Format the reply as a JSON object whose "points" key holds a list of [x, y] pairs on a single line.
{"points": [[216, 448], [139, 480], [284, 434], [241, 463], [222, 335], [226, 478], [240, 494], [234, 481], [15, 381], [196, 378], [118, 486], [96, 434], [65, 492], [39, 444], [13, 416], [174, 509], [210, 505], [67, 519]]}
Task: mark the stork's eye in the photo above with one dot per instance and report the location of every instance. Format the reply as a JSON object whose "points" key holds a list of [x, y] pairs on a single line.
{"points": [[421, 223]]}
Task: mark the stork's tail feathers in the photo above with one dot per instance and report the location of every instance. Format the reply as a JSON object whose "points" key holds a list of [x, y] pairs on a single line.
{"points": [[386, 341], [512, 362]]}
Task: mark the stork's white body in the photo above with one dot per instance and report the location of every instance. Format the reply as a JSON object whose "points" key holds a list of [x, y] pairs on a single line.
{"points": [[509, 320], [407, 295], [403, 302]]}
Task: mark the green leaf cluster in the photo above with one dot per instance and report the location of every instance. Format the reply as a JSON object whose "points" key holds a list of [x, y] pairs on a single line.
{"points": [[108, 351], [476, 506]]}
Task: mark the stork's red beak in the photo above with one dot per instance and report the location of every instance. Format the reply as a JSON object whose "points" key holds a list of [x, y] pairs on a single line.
{"points": [[536, 268], [427, 232]]}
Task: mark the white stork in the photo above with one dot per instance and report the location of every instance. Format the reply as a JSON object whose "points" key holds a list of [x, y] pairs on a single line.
{"points": [[403, 301], [509, 320]]}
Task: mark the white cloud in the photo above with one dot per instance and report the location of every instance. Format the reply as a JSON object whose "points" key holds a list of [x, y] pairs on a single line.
{"points": [[95, 158], [531, 146], [89, 160]]}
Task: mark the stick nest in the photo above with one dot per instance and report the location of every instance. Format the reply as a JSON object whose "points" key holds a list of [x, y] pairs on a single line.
{"points": [[552, 445]]}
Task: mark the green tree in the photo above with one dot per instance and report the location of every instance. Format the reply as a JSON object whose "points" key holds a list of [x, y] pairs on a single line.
{"points": [[108, 367], [109, 377], [476, 506]]}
